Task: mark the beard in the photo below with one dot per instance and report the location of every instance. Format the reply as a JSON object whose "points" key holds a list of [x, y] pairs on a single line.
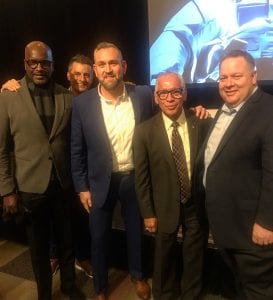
{"points": [[112, 84]]}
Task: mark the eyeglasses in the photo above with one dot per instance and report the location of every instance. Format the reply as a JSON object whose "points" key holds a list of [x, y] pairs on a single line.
{"points": [[175, 93], [33, 64]]}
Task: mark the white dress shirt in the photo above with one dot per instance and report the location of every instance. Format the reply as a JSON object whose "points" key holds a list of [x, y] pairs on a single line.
{"points": [[218, 131], [119, 121]]}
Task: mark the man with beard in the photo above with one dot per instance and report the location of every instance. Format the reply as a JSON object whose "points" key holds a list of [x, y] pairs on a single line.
{"points": [[103, 122], [34, 125]]}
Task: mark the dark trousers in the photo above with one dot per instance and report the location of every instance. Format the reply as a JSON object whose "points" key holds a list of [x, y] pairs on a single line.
{"points": [[82, 238], [166, 261], [253, 271], [122, 188], [81, 231], [50, 209]]}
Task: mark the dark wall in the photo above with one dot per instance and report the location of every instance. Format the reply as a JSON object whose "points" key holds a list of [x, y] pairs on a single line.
{"points": [[70, 27], [76, 26]]}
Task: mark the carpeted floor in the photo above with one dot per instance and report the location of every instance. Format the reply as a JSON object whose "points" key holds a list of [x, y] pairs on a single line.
{"points": [[19, 267], [218, 280]]}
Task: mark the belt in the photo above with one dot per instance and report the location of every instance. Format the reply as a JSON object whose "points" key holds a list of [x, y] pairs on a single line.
{"points": [[124, 173]]}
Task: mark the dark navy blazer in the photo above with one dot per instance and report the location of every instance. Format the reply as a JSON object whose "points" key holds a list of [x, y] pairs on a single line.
{"points": [[91, 155]]}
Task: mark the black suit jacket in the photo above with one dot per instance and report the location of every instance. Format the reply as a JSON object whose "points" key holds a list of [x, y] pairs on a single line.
{"points": [[239, 181], [157, 183]]}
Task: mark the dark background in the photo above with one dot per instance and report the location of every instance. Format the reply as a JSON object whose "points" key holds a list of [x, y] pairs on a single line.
{"points": [[70, 27], [76, 26]]}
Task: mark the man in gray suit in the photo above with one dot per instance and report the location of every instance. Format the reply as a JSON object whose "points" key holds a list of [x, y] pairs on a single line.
{"points": [[34, 125], [165, 200]]}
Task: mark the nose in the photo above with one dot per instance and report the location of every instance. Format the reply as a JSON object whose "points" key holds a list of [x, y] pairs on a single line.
{"points": [[169, 97], [81, 77], [229, 81], [108, 68], [39, 66]]}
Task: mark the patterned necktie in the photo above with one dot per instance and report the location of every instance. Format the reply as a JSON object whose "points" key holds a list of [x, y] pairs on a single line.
{"points": [[180, 162]]}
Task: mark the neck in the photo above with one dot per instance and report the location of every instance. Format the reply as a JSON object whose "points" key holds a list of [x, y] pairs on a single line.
{"points": [[112, 94]]}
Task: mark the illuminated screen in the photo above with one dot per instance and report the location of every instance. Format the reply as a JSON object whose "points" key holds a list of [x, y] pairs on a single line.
{"points": [[189, 37]]}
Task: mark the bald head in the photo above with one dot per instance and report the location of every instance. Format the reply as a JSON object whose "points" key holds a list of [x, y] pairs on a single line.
{"points": [[38, 62], [38, 46]]}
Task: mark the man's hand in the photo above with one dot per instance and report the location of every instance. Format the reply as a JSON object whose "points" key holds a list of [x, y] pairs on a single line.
{"points": [[11, 85], [10, 204], [200, 112], [86, 200], [150, 224], [262, 236]]}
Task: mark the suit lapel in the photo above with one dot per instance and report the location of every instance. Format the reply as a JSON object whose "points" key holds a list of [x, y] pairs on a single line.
{"points": [[239, 118], [99, 128], [163, 142], [193, 136], [27, 99], [59, 110], [136, 104]]}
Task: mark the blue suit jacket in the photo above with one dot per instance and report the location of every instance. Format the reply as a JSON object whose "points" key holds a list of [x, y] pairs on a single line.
{"points": [[91, 155]]}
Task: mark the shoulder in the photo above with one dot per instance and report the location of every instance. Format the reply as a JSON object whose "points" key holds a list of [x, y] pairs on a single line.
{"points": [[89, 99], [61, 89], [150, 123], [141, 90]]}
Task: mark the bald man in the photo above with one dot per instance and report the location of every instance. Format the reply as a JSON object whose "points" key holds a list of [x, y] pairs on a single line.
{"points": [[35, 121]]}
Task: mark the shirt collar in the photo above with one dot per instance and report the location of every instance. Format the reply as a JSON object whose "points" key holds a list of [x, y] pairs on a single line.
{"points": [[122, 98], [181, 120], [230, 111]]}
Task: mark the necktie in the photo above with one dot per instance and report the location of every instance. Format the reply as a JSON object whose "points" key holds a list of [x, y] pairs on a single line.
{"points": [[180, 163]]}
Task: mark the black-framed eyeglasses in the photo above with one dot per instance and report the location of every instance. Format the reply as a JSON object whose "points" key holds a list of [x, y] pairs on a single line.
{"points": [[175, 93], [33, 64]]}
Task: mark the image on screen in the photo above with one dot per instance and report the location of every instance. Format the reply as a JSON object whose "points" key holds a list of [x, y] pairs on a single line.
{"points": [[189, 36]]}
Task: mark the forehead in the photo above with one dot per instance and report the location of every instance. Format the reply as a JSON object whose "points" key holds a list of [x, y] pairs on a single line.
{"points": [[82, 68], [106, 54], [168, 82], [235, 64], [38, 53]]}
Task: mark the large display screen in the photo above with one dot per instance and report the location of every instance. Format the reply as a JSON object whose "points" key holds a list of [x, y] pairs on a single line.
{"points": [[189, 37]]}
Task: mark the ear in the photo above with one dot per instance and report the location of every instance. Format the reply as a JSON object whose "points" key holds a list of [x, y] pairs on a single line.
{"points": [[68, 76], [124, 66], [95, 69], [254, 78], [25, 65], [155, 97]]}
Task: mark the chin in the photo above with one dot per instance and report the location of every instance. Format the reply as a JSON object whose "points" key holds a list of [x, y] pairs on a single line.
{"points": [[40, 82]]}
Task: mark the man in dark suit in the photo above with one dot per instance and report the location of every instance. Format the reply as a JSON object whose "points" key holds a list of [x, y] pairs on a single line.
{"points": [[34, 125], [103, 121], [164, 192], [236, 168]]}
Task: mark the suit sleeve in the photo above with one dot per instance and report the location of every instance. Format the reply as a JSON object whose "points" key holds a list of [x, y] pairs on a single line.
{"points": [[7, 181], [143, 183], [264, 215], [78, 152]]}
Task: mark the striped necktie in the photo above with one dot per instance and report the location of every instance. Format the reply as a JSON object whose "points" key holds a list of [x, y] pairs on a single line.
{"points": [[180, 163]]}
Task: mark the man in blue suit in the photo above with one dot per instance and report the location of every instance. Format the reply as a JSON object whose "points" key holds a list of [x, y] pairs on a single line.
{"points": [[103, 122]]}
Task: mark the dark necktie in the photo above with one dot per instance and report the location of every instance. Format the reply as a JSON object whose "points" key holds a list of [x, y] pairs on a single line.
{"points": [[180, 162]]}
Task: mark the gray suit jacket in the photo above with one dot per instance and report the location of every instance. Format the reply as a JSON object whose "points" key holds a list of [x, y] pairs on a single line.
{"points": [[22, 132], [157, 183]]}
